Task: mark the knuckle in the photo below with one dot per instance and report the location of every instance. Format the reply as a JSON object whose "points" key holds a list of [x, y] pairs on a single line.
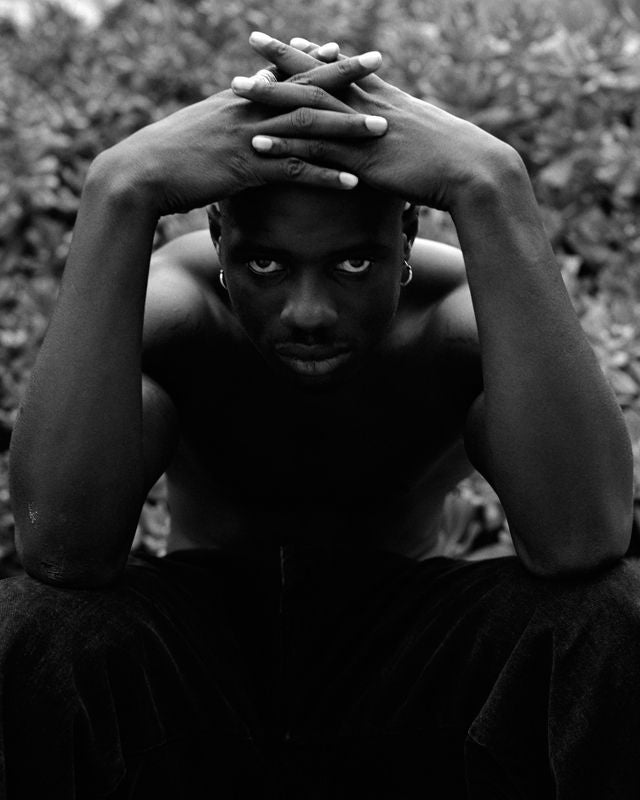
{"points": [[344, 67], [264, 83], [328, 175], [279, 49], [356, 123], [317, 149], [302, 78], [303, 117], [293, 167], [242, 171], [318, 95]]}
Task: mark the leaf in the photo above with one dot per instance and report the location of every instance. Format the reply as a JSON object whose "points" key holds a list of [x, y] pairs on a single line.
{"points": [[622, 383]]}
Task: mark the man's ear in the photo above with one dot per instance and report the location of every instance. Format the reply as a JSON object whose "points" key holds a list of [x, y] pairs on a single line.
{"points": [[215, 224], [410, 218]]}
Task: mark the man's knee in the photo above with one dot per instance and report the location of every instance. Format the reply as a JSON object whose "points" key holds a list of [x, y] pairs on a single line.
{"points": [[35, 617], [607, 603], [58, 688], [608, 600]]}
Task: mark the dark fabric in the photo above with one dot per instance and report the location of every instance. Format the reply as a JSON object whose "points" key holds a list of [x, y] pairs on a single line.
{"points": [[322, 674]]}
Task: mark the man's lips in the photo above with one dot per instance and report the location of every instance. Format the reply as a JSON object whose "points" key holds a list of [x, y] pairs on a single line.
{"points": [[312, 360]]}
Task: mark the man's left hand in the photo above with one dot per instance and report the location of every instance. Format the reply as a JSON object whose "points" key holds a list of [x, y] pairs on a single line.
{"points": [[427, 156]]}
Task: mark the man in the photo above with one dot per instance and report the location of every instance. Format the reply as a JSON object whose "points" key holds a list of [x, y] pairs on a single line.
{"points": [[312, 392]]}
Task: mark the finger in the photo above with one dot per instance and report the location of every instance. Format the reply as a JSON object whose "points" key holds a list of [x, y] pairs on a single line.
{"points": [[316, 151], [292, 62], [288, 59], [341, 73], [368, 82], [287, 95], [327, 52], [266, 75], [303, 44], [294, 170], [315, 123]]}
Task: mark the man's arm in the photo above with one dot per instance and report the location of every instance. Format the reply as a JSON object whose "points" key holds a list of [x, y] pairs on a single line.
{"points": [[79, 471], [84, 455], [547, 431], [76, 460]]}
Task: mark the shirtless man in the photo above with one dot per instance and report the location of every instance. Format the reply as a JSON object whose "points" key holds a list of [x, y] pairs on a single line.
{"points": [[313, 382]]}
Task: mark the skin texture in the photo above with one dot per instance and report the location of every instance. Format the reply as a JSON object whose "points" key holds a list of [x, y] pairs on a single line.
{"points": [[261, 449], [308, 291], [294, 458]]}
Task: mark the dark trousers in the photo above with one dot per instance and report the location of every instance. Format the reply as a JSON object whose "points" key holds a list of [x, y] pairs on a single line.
{"points": [[322, 674]]}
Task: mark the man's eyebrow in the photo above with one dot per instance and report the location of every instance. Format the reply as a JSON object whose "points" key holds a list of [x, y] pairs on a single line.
{"points": [[246, 247], [381, 249], [363, 246]]}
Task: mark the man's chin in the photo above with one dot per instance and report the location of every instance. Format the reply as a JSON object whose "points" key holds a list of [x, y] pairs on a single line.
{"points": [[316, 373]]}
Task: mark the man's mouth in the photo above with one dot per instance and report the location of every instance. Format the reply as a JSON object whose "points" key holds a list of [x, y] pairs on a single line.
{"points": [[312, 361]]}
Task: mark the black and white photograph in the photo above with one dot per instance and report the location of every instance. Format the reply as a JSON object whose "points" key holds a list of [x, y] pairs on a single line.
{"points": [[320, 400]]}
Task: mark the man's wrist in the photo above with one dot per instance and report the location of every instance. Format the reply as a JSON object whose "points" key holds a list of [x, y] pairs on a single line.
{"points": [[501, 174], [119, 181]]}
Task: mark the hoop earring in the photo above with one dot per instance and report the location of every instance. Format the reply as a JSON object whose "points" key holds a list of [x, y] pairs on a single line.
{"points": [[409, 277], [222, 280]]}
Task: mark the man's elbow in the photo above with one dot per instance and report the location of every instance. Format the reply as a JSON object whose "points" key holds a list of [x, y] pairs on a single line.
{"points": [[586, 551], [70, 577], [68, 570]]}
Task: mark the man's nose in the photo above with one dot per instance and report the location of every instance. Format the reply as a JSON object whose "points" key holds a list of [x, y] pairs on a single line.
{"points": [[308, 306]]}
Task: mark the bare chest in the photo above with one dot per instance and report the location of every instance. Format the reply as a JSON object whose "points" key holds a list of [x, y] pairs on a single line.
{"points": [[260, 444]]}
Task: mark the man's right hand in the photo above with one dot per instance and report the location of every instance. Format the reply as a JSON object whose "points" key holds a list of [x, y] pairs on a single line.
{"points": [[203, 152], [429, 156]]}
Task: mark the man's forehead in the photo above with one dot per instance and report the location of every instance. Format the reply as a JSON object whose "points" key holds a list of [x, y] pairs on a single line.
{"points": [[295, 201]]}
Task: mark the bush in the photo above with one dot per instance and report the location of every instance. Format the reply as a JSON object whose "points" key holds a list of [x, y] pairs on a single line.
{"points": [[557, 80]]}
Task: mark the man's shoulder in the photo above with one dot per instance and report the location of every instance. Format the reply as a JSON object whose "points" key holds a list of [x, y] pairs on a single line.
{"points": [[184, 290], [440, 296], [184, 302]]}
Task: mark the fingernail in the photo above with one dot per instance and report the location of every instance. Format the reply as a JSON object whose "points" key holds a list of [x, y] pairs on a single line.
{"points": [[347, 179], [262, 143], [259, 38], [375, 124], [242, 84], [265, 75], [370, 60], [328, 49], [298, 42]]}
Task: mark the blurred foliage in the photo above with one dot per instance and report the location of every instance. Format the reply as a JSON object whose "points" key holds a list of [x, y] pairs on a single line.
{"points": [[557, 79]]}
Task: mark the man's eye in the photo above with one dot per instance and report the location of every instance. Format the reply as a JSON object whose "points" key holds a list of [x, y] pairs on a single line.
{"points": [[354, 266], [264, 266]]}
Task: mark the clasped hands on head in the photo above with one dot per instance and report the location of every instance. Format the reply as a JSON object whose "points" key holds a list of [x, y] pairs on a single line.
{"points": [[308, 77]]}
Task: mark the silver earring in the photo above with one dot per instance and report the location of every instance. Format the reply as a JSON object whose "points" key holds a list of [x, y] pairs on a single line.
{"points": [[409, 277], [222, 280]]}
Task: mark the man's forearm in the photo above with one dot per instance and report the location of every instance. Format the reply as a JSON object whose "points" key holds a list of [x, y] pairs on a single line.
{"points": [[76, 457], [558, 452]]}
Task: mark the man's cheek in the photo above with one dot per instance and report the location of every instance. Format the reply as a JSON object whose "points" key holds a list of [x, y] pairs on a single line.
{"points": [[379, 316], [256, 316]]}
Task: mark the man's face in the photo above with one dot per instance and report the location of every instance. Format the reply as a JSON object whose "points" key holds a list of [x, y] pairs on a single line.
{"points": [[313, 276]]}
